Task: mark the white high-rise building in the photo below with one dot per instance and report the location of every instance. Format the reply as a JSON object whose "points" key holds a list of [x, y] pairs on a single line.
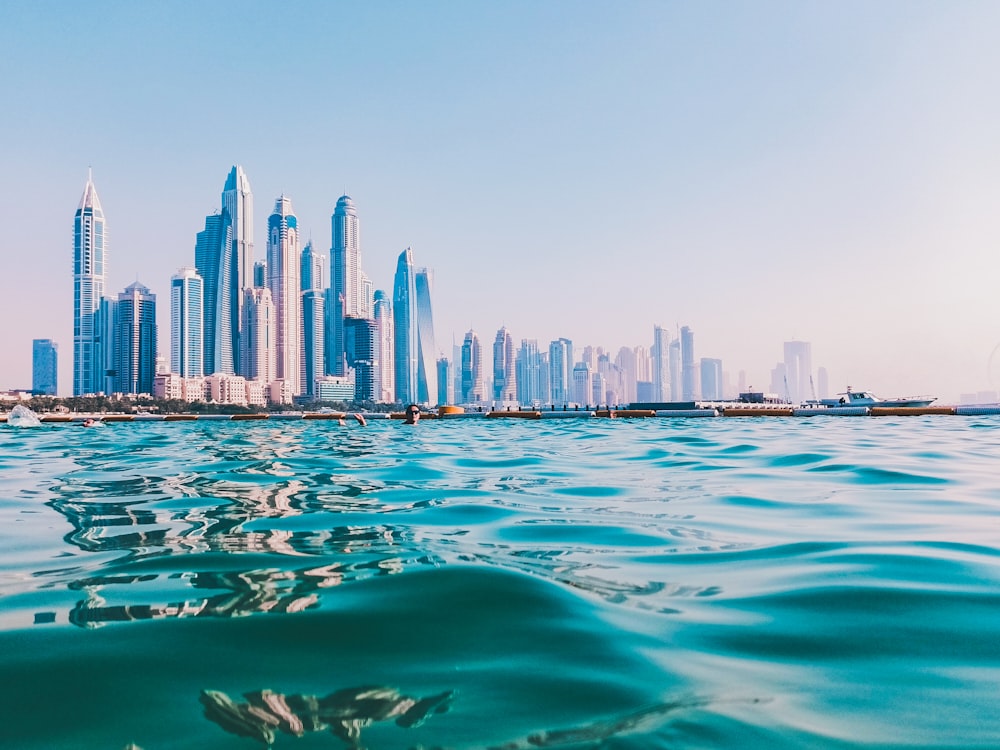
{"points": [[284, 264], [259, 356], [385, 374], [660, 359], [89, 256], [345, 279], [186, 321], [237, 218], [504, 378]]}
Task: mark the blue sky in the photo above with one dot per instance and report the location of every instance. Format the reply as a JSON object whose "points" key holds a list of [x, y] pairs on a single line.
{"points": [[758, 171]]}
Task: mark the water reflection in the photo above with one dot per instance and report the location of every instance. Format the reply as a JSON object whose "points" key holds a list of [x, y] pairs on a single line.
{"points": [[344, 713]]}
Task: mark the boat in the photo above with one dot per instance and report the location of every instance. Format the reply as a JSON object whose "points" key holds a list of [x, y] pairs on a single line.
{"points": [[867, 398]]}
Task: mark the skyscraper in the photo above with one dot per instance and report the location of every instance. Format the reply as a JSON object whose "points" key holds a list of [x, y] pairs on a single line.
{"points": [[313, 344], [711, 379], [89, 256], [676, 389], [532, 376], [135, 340], [385, 375], [445, 378], [214, 265], [504, 372], [689, 371], [427, 390], [660, 358], [561, 371], [472, 369], [345, 278], [798, 371], [312, 268], [404, 312], [186, 321], [258, 354], [237, 213], [283, 269], [360, 340], [44, 367]]}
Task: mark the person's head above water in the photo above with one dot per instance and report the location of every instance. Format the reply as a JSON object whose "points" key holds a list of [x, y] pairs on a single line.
{"points": [[411, 414]]}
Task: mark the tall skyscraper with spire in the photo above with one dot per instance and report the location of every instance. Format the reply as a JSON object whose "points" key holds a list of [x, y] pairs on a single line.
{"points": [[283, 269], [427, 387], [404, 314], [223, 257], [385, 374], [345, 279], [237, 212], [89, 258], [186, 321]]}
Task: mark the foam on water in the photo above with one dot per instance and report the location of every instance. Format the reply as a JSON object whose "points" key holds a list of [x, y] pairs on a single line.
{"points": [[488, 584]]}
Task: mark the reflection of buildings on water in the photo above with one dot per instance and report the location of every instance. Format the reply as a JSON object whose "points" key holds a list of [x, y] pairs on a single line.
{"points": [[344, 713], [359, 554]]}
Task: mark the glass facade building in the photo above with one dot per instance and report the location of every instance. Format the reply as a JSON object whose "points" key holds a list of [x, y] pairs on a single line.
{"points": [[44, 367], [186, 321], [89, 258]]}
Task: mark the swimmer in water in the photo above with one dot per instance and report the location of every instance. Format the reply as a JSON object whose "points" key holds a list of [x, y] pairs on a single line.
{"points": [[411, 414]]}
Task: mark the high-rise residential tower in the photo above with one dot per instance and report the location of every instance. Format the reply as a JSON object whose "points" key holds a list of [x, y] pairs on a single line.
{"points": [[798, 371], [44, 367], [472, 369], [213, 264], [532, 374], [504, 377], [186, 321], [384, 372], [135, 340], [561, 371], [404, 313], [89, 257], [427, 389], [345, 278], [711, 379], [237, 213], [258, 355], [283, 268], [660, 360], [689, 371]]}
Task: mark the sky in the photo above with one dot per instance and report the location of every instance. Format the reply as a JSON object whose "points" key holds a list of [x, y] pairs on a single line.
{"points": [[758, 171]]}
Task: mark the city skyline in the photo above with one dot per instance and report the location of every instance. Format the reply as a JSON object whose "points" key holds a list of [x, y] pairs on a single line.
{"points": [[771, 173]]}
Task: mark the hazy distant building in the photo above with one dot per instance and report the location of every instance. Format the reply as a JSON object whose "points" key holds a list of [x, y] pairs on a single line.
{"points": [[626, 363], [660, 361], [561, 371], [44, 367], [186, 321], [89, 257], [532, 374], [311, 275], [711, 379], [822, 383], [504, 371], [582, 386], [472, 369], [798, 371], [404, 313], [135, 340], [689, 371], [674, 357]]}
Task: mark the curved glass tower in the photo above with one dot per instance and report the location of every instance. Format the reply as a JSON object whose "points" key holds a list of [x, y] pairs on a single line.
{"points": [[427, 388], [404, 311]]}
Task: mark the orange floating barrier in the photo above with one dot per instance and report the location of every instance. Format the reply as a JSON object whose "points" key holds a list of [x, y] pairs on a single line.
{"points": [[514, 415], [910, 411]]}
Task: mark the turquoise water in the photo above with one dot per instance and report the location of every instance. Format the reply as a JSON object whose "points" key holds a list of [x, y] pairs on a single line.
{"points": [[469, 584]]}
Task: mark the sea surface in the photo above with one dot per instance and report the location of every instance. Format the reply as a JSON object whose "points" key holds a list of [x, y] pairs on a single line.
{"points": [[472, 584]]}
